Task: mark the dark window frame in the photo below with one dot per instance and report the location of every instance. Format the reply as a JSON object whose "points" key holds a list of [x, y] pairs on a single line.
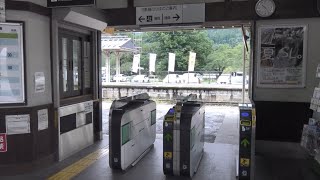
{"points": [[86, 44]]}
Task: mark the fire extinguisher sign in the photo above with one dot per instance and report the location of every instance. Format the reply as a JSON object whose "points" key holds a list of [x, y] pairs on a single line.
{"points": [[3, 142]]}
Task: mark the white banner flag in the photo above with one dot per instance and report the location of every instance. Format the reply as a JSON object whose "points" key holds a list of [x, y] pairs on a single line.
{"points": [[192, 61], [135, 63], [152, 62], [172, 62]]}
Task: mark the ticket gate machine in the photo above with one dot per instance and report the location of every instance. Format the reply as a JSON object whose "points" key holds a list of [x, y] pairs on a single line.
{"points": [[247, 130], [132, 125], [183, 137]]}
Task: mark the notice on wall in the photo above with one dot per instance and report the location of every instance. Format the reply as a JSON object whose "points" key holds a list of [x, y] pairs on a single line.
{"points": [[3, 142], [39, 82], [282, 56], [18, 124], [43, 119], [11, 64]]}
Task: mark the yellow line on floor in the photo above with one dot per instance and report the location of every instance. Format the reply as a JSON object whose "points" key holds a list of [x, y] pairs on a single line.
{"points": [[79, 166]]}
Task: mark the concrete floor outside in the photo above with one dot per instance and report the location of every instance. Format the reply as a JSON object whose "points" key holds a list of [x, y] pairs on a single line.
{"points": [[216, 116]]}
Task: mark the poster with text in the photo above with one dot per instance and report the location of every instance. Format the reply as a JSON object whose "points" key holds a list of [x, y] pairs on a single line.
{"points": [[282, 56], [11, 64]]}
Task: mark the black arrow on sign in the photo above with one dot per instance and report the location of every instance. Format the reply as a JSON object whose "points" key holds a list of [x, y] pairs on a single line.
{"points": [[141, 19], [177, 17]]}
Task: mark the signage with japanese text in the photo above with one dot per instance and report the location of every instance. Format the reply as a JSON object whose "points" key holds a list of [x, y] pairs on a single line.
{"points": [[3, 142]]}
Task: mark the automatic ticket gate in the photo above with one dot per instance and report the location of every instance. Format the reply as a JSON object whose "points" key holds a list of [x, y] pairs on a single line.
{"points": [[132, 125], [183, 137], [246, 160]]}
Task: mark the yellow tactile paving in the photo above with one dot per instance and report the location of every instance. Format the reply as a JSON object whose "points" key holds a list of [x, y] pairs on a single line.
{"points": [[79, 166]]}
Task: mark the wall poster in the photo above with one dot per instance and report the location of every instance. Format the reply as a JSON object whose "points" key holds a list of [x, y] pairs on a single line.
{"points": [[12, 88], [282, 56]]}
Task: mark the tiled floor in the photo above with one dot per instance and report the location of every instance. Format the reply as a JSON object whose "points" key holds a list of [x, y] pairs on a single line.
{"points": [[274, 161], [218, 163]]}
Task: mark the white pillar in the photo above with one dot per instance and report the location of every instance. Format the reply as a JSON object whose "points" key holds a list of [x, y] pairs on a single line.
{"points": [[118, 65], [107, 65], [244, 74]]}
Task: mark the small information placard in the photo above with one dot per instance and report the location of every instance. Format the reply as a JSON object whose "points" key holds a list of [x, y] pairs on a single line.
{"points": [[39, 82], [43, 119], [18, 124]]}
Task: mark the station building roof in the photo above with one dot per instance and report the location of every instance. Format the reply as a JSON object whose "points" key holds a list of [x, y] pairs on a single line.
{"points": [[118, 44]]}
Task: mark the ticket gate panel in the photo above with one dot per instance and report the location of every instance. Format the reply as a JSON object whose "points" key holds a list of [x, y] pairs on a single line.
{"points": [[132, 131], [182, 155]]}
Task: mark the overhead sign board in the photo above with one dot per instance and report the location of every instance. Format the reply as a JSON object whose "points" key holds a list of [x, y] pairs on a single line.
{"points": [[170, 14], [159, 15], [63, 3]]}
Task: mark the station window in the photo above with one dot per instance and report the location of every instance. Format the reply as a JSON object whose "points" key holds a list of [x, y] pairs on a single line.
{"points": [[75, 64], [125, 133], [153, 117]]}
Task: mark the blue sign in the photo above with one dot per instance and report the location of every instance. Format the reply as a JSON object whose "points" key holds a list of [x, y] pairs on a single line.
{"points": [[245, 114]]}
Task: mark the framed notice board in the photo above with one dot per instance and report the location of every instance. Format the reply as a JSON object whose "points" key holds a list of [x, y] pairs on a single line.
{"points": [[12, 82], [63, 3]]}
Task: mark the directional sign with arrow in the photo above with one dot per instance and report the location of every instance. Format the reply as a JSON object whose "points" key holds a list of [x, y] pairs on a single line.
{"points": [[141, 19], [177, 17], [169, 14], [168, 137], [245, 142]]}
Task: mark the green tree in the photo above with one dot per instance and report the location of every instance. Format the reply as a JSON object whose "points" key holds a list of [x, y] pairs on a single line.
{"points": [[180, 43], [231, 37], [225, 56]]}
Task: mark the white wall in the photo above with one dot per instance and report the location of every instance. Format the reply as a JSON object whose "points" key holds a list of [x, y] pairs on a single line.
{"points": [[313, 59], [37, 47]]}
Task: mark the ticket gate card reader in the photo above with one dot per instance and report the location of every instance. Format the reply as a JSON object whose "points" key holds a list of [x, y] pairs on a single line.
{"points": [[183, 138], [132, 125]]}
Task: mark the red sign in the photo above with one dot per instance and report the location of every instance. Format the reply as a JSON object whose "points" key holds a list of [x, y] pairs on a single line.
{"points": [[3, 142]]}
